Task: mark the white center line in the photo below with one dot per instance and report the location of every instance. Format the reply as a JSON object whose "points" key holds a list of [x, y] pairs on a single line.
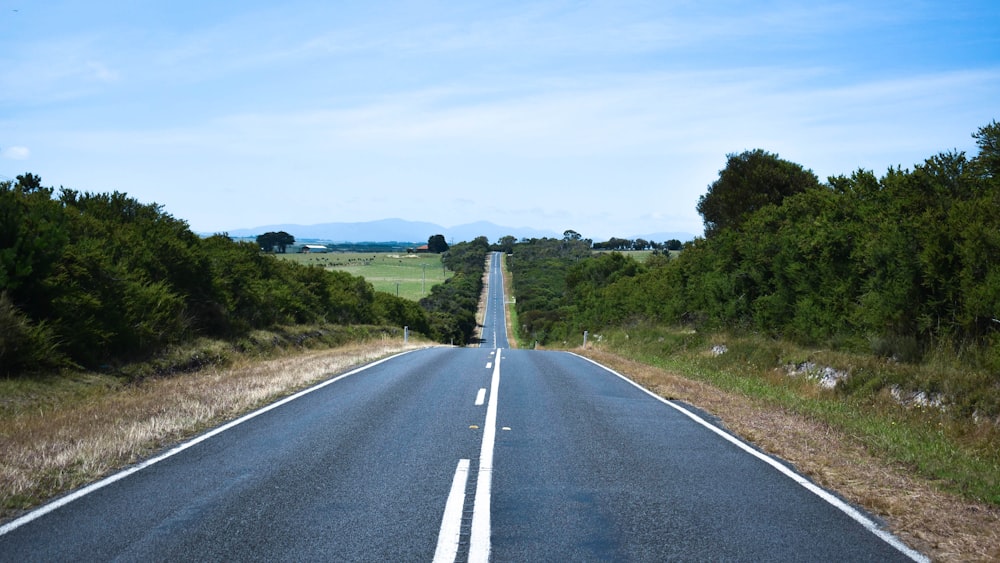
{"points": [[479, 542], [451, 522]]}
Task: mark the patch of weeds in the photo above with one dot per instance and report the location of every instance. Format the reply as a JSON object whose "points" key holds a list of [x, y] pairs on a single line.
{"points": [[185, 358], [898, 348], [44, 393]]}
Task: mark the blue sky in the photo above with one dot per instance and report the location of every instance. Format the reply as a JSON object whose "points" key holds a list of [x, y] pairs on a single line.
{"points": [[609, 118]]}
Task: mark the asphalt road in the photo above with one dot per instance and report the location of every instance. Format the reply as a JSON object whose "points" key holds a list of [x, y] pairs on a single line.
{"points": [[460, 454]]}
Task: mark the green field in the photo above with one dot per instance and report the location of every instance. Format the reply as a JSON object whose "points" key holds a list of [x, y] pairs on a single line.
{"points": [[407, 275], [638, 255]]}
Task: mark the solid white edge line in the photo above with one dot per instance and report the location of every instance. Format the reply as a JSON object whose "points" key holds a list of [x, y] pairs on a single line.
{"points": [[479, 540], [480, 397], [451, 522], [854, 513], [63, 501]]}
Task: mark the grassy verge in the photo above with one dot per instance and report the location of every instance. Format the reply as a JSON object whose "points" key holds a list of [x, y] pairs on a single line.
{"points": [[60, 432], [511, 311], [934, 475]]}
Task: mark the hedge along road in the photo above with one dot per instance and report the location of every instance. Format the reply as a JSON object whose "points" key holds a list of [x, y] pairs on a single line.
{"points": [[455, 454]]}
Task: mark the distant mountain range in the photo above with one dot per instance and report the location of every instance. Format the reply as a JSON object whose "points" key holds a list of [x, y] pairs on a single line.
{"points": [[400, 230]]}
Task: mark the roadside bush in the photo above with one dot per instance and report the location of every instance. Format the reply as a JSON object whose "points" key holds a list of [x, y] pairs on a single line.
{"points": [[394, 311], [24, 345], [452, 305]]}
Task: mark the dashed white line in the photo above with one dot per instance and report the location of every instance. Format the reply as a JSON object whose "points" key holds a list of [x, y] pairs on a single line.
{"points": [[480, 397]]}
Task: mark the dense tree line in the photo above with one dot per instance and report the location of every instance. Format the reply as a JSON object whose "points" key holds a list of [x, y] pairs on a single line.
{"points": [[538, 270], [452, 305], [900, 263], [905, 261], [624, 244], [93, 279]]}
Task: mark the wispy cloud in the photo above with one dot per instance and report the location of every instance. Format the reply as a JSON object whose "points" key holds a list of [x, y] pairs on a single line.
{"points": [[15, 153], [686, 111]]}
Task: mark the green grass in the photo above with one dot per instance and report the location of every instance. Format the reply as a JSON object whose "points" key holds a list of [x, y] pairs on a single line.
{"points": [[410, 276], [19, 396], [639, 255]]}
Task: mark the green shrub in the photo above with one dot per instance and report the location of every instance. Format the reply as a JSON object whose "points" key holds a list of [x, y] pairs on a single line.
{"points": [[25, 345]]}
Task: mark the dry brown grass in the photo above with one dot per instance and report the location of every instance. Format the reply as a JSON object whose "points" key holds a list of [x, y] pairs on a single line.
{"points": [[938, 524], [52, 448]]}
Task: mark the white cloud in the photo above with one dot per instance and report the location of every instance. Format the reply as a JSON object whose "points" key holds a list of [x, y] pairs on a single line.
{"points": [[629, 114], [101, 72], [15, 153]]}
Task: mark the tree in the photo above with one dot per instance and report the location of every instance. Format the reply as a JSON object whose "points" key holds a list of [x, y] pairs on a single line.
{"points": [[32, 239], [280, 239], [750, 181], [437, 244], [988, 140], [507, 243], [614, 243]]}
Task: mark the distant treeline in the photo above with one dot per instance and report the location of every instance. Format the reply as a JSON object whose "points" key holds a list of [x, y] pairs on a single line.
{"points": [[101, 279], [625, 244], [900, 263]]}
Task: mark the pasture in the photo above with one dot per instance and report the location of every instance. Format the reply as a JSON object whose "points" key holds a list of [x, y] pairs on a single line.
{"points": [[638, 255], [410, 276]]}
